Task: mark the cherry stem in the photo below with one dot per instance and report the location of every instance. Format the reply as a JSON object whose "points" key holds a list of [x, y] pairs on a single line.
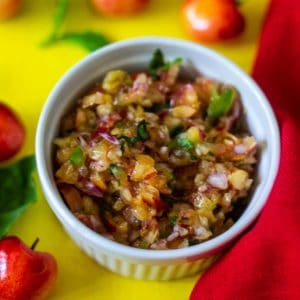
{"points": [[34, 243]]}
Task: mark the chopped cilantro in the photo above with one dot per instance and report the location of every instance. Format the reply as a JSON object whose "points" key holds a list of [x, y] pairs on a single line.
{"points": [[193, 242], [113, 169], [77, 157], [142, 131], [167, 199], [117, 172], [176, 130], [167, 65], [172, 220], [157, 63], [142, 134], [122, 144], [220, 104], [130, 140], [157, 107], [183, 142]]}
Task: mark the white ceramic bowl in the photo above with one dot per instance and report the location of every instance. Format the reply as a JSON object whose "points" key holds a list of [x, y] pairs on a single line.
{"points": [[135, 54]]}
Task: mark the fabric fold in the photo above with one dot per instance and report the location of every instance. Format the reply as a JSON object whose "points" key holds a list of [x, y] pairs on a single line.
{"points": [[264, 263]]}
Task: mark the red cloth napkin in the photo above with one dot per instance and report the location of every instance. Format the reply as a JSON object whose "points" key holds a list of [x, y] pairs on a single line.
{"points": [[265, 262]]}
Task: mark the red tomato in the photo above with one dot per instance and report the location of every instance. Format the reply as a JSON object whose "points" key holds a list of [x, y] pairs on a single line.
{"points": [[12, 133], [9, 8], [212, 20], [119, 7]]}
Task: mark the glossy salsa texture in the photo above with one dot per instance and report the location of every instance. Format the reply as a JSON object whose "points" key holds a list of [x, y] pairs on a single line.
{"points": [[155, 160]]}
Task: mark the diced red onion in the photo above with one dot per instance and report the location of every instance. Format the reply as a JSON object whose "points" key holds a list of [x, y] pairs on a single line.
{"points": [[181, 230], [82, 141], [234, 114], [103, 133], [109, 138], [130, 217], [172, 236], [200, 230], [161, 244], [140, 87], [92, 190], [240, 149], [218, 180], [202, 188]]}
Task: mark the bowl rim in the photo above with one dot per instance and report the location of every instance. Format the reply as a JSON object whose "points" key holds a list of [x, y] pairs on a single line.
{"points": [[67, 218]]}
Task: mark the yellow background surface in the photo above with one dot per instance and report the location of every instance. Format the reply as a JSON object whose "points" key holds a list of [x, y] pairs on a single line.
{"points": [[28, 73]]}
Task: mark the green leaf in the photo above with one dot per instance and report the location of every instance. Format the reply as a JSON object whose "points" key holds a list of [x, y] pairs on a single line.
{"points": [[88, 40], [114, 170], [117, 172], [122, 144], [167, 65], [193, 242], [142, 134], [176, 130], [220, 104], [60, 14], [183, 142], [167, 199], [58, 20], [17, 191], [157, 107], [172, 220], [157, 63], [130, 140], [142, 131], [77, 157]]}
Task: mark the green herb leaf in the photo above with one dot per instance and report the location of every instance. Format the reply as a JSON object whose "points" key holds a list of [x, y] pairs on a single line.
{"points": [[157, 63], [130, 140], [77, 157], [176, 130], [141, 135], [17, 191], [220, 104], [88, 40], [183, 142], [58, 20], [157, 107], [193, 157], [122, 144], [60, 15], [142, 131], [117, 172], [172, 220], [167, 65], [193, 242], [113, 169], [105, 207], [168, 199]]}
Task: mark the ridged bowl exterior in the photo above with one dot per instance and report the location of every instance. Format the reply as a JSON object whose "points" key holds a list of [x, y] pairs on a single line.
{"points": [[142, 271]]}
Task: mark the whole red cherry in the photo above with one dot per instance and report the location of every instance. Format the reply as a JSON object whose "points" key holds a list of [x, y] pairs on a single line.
{"points": [[25, 274], [212, 20], [115, 8], [12, 133]]}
